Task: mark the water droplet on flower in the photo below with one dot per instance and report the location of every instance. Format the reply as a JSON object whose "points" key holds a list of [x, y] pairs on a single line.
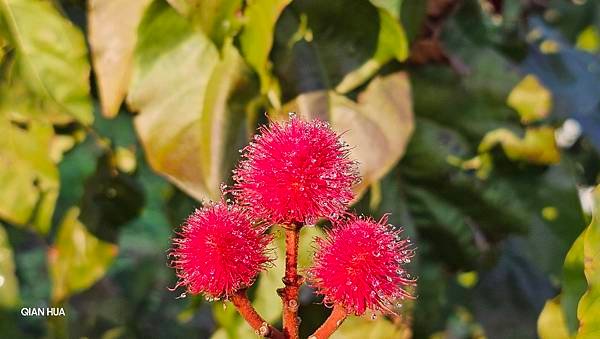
{"points": [[293, 305], [292, 115], [373, 316]]}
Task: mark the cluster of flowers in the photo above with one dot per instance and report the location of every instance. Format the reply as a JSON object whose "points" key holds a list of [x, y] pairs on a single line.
{"points": [[294, 173]]}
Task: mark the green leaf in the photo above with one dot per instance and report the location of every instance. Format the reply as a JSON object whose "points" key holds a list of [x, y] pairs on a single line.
{"points": [[190, 100], [28, 176], [231, 324], [391, 44], [256, 38], [377, 126], [9, 287], [391, 6], [218, 19], [333, 52], [588, 310], [51, 58], [581, 279], [363, 328], [445, 226], [112, 32], [77, 259], [573, 284]]}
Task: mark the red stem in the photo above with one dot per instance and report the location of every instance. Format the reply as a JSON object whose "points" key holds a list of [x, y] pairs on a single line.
{"points": [[292, 282], [245, 308], [335, 319]]}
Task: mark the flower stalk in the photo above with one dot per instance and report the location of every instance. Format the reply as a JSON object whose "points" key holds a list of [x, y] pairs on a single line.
{"points": [[292, 282]]}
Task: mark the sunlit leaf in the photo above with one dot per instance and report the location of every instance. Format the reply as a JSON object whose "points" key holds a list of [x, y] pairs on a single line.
{"points": [[531, 99], [218, 19], [256, 38], [377, 126], [28, 176], [391, 6], [364, 328], [551, 323], [112, 30], [190, 101], [77, 259], [231, 324], [588, 310], [537, 146], [51, 58], [9, 287]]}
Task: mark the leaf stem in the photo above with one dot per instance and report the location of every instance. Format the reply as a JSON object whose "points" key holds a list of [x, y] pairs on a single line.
{"points": [[292, 281], [247, 311], [335, 319]]}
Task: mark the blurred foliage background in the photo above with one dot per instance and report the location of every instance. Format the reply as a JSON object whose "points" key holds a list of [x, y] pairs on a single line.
{"points": [[476, 124]]}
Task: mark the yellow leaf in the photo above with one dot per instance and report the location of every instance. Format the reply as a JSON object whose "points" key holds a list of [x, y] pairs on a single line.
{"points": [[530, 99], [551, 323], [112, 32], [589, 40], [537, 147], [77, 259], [467, 279]]}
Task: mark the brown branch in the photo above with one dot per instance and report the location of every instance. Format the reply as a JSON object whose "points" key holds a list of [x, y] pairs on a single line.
{"points": [[335, 319], [292, 281], [245, 308]]}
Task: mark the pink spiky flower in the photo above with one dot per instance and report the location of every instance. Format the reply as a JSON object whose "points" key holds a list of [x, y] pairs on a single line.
{"points": [[360, 266], [219, 251], [295, 171]]}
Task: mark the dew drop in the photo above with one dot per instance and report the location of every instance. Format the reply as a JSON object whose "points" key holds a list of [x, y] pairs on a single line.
{"points": [[373, 316], [292, 115]]}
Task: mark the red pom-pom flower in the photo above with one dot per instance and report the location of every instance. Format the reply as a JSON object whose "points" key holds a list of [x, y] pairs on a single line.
{"points": [[295, 171], [219, 251], [360, 266]]}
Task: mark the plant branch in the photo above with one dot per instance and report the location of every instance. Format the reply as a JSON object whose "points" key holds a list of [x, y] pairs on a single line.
{"points": [[335, 319], [245, 308], [292, 281]]}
